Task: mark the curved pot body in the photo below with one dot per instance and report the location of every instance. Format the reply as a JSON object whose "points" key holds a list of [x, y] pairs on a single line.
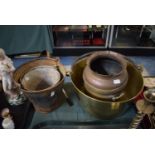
{"points": [[105, 74]]}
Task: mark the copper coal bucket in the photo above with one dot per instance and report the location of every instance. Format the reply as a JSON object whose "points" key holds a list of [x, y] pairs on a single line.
{"points": [[105, 108], [41, 82]]}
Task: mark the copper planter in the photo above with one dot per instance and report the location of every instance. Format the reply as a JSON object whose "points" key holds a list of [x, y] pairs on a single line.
{"points": [[105, 75]]}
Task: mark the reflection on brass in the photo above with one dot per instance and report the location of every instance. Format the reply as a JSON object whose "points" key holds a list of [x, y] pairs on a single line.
{"points": [[43, 90], [149, 95], [105, 75], [105, 108]]}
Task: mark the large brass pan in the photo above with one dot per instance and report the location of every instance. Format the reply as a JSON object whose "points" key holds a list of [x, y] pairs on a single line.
{"points": [[106, 109]]}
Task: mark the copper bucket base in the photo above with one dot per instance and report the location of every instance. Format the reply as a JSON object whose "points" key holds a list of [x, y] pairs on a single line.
{"points": [[54, 105]]}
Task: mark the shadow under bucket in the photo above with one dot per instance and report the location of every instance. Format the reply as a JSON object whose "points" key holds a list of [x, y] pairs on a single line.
{"points": [[42, 82]]}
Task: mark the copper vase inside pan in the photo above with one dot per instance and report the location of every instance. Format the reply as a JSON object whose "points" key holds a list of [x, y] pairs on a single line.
{"points": [[105, 108], [105, 75]]}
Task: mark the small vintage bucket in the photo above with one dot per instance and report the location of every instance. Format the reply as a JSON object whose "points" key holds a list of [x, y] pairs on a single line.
{"points": [[42, 82]]}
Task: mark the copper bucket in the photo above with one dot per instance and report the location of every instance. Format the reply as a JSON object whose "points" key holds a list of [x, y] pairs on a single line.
{"points": [[42, 82]]}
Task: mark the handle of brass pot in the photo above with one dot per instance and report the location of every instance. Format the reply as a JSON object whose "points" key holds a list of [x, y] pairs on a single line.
{"points": [[139, 67]]}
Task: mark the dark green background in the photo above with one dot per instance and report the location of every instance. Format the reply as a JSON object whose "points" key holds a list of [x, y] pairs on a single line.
{"points": [[15, 39]]}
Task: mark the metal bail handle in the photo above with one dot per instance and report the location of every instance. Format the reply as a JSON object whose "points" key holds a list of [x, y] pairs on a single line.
{"points": [[49, 56], [58, 64]]}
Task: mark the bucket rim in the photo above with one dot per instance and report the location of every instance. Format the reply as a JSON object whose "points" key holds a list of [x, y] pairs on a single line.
{"points": [[43, 90]]}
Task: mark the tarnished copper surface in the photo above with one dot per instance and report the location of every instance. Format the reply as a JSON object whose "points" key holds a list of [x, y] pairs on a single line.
{"points": [[46, 99], [40, 78], [105, 108], [105, 74]]}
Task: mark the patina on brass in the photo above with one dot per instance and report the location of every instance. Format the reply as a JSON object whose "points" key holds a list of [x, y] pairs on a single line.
{"points": [[40, 89], [105, 75], [105, 108]]}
